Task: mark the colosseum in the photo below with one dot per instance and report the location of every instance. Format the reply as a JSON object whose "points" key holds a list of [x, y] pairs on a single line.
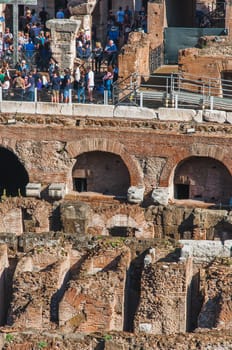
{"points": [[115, 216]]}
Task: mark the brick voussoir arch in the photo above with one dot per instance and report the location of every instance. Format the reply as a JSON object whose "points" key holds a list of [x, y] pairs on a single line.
{"points": [[196, 150], [106, 145]]}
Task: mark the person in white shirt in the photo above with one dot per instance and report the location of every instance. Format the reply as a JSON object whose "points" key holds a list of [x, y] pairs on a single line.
{"points": [[90, 83]]}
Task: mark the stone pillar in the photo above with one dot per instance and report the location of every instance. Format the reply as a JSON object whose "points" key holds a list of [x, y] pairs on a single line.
{"points": [[63, 40], [156, 19], [3, 266], [228, 19]]}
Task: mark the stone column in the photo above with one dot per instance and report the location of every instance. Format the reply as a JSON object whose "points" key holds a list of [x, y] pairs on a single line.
{"points": [[82, 10], [63, 40]]}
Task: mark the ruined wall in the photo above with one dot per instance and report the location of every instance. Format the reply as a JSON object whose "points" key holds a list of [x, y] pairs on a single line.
{"points": [[89, 286], [182, 222], [94, 298], [216, 285], [150, 149], [206, 64], [164, 298], [19, 214], [156, 18], [101, 217], [134, 58]]}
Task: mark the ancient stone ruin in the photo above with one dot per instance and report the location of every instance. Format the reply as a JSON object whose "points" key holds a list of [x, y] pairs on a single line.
{"points": [[116, 220]]}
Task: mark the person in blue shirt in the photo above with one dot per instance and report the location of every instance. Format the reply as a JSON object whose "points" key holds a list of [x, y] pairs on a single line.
{"points": [[60, 14], [29, 49], [30, 87], [55, 85], [111, 52], [65, 86]]}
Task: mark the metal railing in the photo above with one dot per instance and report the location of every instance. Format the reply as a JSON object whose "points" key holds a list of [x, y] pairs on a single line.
{"points": [[154, 91], [175, 90], [211, 14]]}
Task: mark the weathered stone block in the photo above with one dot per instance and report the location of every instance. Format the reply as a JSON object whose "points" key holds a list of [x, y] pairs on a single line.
{"points": [[33, 190], [135, 194], [214, 116], [134, 112], [160, 195], [75, 217], [205, 251], [176, 114], [57, 190]]}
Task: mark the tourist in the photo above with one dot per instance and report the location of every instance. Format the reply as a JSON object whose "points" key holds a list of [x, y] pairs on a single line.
{"points": [[23, 67], [111, 52], [77, 77], [98, 56], [19, 86], [7, 34], [66, 86], [81, 88], [120, 18], [111, 20], [29, 49], [90, 83], [87, 51], [60, 14], [43, 16], [115, 71], [127, 15], [108, 80], [29, 87], [1, 45], [55, 86], [5, 87]]}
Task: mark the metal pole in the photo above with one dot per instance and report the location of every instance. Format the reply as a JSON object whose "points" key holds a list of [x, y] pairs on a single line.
{"points": [[211, 103], [176, 101], [141, 99], [0, 98], [15, 31], [70, 96], [105, 97]]}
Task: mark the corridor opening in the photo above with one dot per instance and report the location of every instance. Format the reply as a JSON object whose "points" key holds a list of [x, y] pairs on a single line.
{"points": [[101, 172], [13, 175], [203, 178]]}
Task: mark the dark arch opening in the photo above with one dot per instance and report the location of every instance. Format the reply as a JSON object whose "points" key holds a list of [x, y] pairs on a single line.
{"points": [[180, 13], [101, 172], [203, 178], [13, 176]]}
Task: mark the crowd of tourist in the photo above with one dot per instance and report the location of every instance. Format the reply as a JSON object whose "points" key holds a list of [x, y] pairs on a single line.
{"points": [[38, 69]]}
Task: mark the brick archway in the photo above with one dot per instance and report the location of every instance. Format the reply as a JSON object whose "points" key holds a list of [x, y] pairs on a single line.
{"points": [[196, 150], [14, 176], [106, 145]]}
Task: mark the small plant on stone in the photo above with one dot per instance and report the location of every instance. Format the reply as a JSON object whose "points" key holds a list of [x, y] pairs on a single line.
{"points": [[107, 337], [42, 344], [9, 338], [4, 196]]}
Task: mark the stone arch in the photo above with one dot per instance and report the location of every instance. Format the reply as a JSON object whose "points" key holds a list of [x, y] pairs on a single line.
{"points": [[198, 150], [101, 172], [202, 178], [76, 148], [13, 175], [122, 225], [175, 10]]}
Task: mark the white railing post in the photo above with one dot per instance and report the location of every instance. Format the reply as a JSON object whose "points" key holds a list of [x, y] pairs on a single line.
{"points": [[70, 96], [176, 101], [36, 99], [36, 95], [0, 98], [211, 103], [141, 99], [106, 97]]}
